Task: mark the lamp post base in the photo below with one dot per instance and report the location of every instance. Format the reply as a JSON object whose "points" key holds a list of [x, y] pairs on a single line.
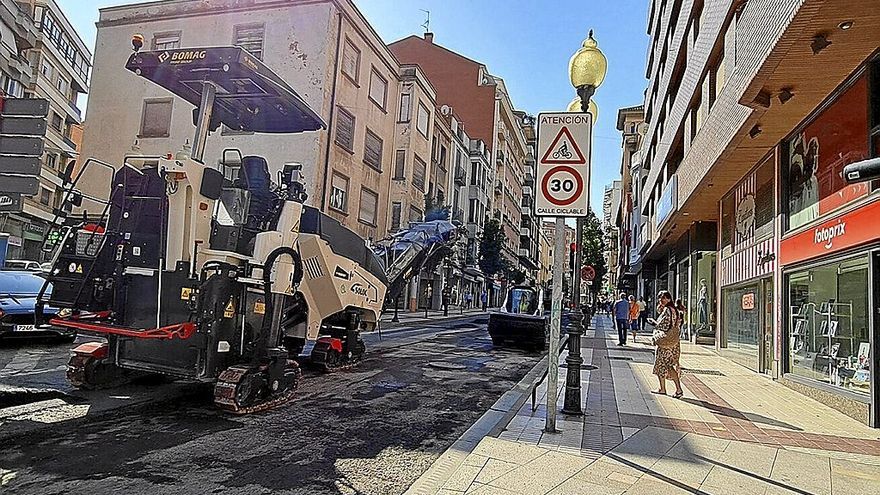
{"points": [[572, 401]]}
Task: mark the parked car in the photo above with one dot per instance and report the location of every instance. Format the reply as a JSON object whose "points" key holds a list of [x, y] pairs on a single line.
{"points": [[521, 321], [18, 299], [31, 266]]}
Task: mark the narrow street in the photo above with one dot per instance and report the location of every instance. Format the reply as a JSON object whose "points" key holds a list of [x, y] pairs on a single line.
{"points": [[373, 430]]}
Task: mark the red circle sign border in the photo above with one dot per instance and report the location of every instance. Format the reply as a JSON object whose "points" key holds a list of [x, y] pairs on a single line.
{"points": [[574, 197]]}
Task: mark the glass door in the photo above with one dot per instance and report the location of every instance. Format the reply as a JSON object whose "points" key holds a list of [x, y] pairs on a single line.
{"points": [[767, 325]]}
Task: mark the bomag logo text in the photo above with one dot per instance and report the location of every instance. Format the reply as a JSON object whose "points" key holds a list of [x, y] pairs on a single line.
{"points": [[186, 56]]}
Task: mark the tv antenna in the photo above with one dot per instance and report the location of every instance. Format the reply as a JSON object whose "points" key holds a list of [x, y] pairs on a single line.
{"points": [[427, 23]]}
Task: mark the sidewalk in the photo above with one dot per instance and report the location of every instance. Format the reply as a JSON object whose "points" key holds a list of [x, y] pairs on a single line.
{"points": [[735, 432]]}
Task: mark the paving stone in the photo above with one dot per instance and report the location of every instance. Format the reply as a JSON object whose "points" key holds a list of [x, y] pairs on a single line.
{"points": [[803, 471], [462, 478], [542, 474], [848, 477], [687, 472], [505, 450], [475, 460], [493, 470], [650, 486]]}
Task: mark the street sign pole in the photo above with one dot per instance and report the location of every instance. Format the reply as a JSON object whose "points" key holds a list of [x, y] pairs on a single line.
{"points": [[555, 325], [563, 191]]}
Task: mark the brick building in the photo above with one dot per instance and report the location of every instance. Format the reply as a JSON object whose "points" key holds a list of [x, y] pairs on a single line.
{"points": [[752, 109]]}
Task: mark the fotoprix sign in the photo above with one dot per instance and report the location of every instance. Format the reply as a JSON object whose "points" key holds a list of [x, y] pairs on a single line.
{"points": [[831, 236]]}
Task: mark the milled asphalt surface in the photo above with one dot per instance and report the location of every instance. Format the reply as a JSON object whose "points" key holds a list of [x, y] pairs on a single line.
{"points": [[369, 431]]}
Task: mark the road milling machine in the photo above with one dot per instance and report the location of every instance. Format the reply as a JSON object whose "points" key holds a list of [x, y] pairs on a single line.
{"points": [[213, 274]]}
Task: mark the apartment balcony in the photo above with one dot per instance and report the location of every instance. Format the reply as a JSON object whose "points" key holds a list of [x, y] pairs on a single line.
{"points": [[524, 232], [499, 187], [527, 191], [460, 176]]}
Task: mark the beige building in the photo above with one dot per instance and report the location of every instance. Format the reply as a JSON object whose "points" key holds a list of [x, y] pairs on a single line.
{"points": [[42, 56], [326, 50]]}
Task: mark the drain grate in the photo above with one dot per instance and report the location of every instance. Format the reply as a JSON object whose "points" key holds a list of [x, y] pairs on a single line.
{"points": [[702, 372], [620, 358]]}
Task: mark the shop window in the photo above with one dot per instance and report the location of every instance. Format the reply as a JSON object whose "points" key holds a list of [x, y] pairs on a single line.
{"points": [[828, 324], [815, 157], [741, 324], [727, 225]]}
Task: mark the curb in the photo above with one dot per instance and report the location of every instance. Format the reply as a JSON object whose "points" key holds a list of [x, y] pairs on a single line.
{"points": [[490, 423]]}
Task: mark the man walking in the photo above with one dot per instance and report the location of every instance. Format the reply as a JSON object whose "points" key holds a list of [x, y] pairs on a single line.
{"points": [[484, 300], [621, 318], [643, 313]]}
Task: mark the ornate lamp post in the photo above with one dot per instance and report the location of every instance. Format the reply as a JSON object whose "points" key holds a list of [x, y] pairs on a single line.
{"points": [[586, 70]]}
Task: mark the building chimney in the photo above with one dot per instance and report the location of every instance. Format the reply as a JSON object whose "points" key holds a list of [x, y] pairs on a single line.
{"points": [[429, 37]]}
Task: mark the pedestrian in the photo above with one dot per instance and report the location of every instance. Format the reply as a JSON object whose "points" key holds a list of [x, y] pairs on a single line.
{"points": [[643, 313], [621, 317], [484, 299], [682, 313], [467, 299], [667, 329], [445, 297], [633, 316]]}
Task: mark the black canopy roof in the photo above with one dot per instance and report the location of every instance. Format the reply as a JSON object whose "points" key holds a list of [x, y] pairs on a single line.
{"points": [[249, 96]]}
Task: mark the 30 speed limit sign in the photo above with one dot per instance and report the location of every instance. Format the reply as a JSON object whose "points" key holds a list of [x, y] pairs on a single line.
{"points": [[563, 164]]}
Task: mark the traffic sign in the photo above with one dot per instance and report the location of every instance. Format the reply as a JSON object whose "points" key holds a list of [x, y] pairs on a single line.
{"points": [[564, 166], [588, 273]]}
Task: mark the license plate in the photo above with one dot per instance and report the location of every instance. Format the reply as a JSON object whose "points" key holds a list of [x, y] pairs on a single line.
{"points": [[25, 328]]}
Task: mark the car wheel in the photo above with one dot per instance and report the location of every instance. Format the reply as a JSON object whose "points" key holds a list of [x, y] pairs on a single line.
{"points": [[67, 338]]}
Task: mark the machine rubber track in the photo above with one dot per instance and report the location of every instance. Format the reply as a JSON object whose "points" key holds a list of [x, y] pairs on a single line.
{"points": [[330, 361], [88, 373], [229, 386]]}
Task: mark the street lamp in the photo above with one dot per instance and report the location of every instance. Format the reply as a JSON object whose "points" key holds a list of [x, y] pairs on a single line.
{"points": [[586, 70]]}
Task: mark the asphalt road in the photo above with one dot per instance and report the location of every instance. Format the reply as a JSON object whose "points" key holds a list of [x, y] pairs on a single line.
{"points": [[373, 430]]}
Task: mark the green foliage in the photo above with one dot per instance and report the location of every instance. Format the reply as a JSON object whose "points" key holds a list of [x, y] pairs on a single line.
{"points": [[515, 276], [593, 243], [491, 245], [435, 211]]}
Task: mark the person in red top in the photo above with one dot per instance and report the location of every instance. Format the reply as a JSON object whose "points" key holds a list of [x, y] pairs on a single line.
{"points": [[633, 316]]}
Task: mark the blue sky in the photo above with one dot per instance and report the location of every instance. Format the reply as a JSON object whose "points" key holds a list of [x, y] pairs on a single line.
{"points": [[526, 42]]}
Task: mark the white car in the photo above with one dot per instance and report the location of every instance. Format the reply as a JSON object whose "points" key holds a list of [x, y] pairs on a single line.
{"points": [[31, 266]]}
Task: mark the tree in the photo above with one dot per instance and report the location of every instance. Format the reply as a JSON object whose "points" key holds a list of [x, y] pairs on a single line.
{"points": [[435, 211], [491, 245], [593, 250]]}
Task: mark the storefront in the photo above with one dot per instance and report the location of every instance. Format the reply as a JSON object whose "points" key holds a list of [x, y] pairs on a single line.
{"points": [[831, 252], [748, 255]]}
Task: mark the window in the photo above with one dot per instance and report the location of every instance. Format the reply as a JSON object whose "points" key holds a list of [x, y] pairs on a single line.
{"points": [[472, 211], [45, 196], [57, 122], [369, 202], [373, 150], [441, 160], [351, 60], [250, 37], [62, 85], [400, 165], [47, 69], [396, 211], [345, 129], [156, 118], [378, 89], [52, 160], [475, 173], [419, 171], [828, 322], [405, 107], [815, 157], [415, 214], [166, 41], [339, 192], [422, 122]]}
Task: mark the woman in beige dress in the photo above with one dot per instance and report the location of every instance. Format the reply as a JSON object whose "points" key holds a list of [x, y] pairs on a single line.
{"points": [[666, 337]]}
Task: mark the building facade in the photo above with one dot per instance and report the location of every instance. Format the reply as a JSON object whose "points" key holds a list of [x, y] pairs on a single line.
{"points": [[752, 110], [325, 50], [629, 222], [43, 57], [483, 104]]}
